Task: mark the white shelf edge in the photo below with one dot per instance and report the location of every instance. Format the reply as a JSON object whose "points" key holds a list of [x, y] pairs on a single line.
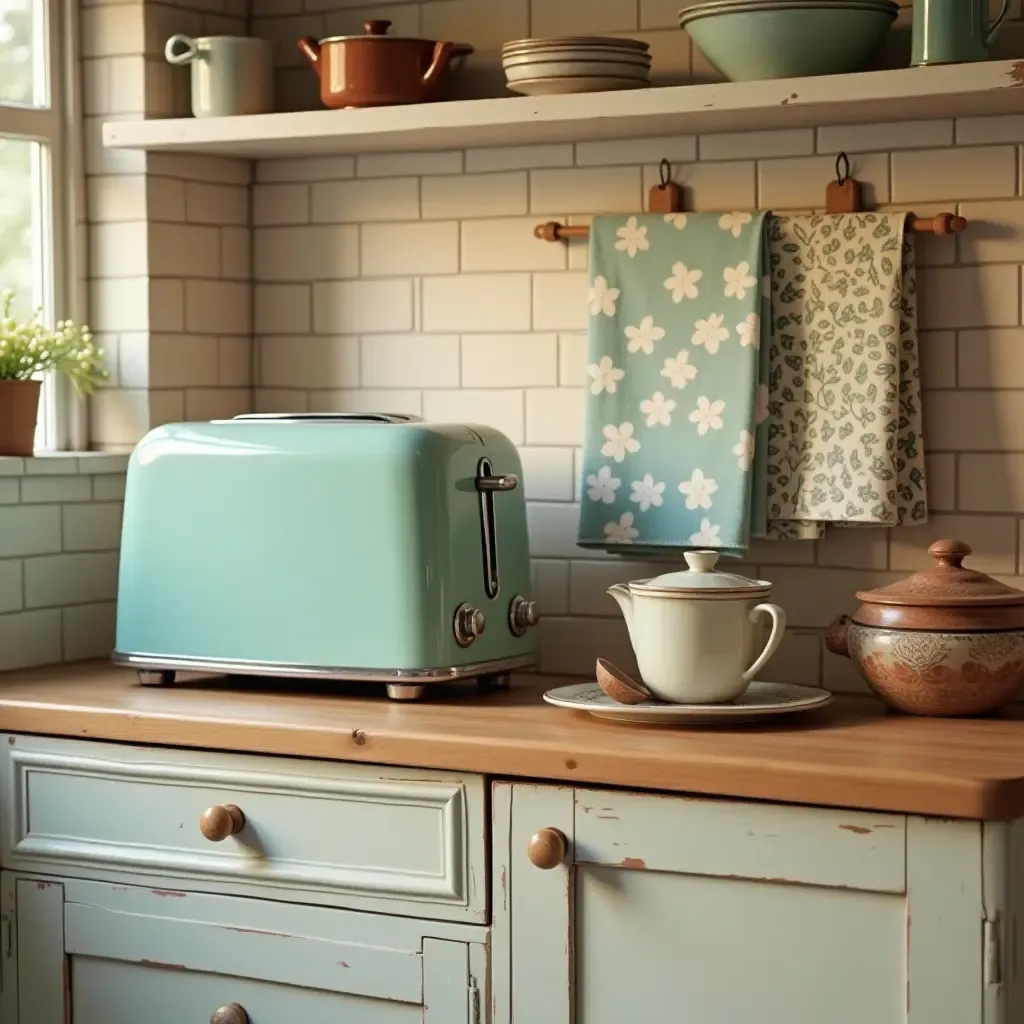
{"points": [[986, 87]]}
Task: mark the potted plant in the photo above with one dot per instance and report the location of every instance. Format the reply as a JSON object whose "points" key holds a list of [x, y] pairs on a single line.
{"points": [[27, 349]]}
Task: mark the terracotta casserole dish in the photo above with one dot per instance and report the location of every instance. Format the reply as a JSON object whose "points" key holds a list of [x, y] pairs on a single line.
{"points": [[376, 70], [946, 641]]}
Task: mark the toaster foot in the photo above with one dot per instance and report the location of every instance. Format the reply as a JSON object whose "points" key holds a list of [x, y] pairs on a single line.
{"points": [[403, 691], [498, 681], [156, 677]]}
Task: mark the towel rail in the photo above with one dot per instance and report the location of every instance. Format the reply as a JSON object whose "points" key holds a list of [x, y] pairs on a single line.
{"points": [[940, 224]]}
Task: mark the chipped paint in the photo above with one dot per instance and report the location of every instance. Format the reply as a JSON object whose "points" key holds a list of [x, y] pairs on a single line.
{"points": [[859, 830], [608, 817], [158, 963], [169, 892], [1016, 74], [341, 963], [634, 863], [504, 888], [255, 931], [789, 99]]}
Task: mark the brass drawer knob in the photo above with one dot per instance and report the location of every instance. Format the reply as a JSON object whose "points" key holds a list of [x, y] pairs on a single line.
{"points": [[547, 848], [230, 1014], [217, 823]]}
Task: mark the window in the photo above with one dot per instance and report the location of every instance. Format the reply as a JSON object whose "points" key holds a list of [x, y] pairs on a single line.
{"points": [[37, 187]]}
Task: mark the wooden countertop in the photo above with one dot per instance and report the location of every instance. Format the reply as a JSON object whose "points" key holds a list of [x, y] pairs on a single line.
{"points": [[850, 754]]}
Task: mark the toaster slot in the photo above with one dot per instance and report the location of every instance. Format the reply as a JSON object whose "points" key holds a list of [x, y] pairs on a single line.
{"points": [[327, 417], [487, 484]]}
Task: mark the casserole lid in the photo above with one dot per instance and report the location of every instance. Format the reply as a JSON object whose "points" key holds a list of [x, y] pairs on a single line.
{"points": [[701, 577], [959, 597], [375, 30]]}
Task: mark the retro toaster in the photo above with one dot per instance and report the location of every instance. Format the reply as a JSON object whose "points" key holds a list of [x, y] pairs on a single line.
{"points": [[356, 547]]}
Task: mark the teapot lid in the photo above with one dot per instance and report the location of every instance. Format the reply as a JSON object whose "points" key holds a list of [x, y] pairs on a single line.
{"points": [[701, 577]]}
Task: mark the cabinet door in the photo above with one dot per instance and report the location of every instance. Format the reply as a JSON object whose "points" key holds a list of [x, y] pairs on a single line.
{"points": [[667, 909], [97, 953]]}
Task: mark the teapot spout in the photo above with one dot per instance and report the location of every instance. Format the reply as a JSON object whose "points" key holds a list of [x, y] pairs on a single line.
{"points": [[625, 601]]}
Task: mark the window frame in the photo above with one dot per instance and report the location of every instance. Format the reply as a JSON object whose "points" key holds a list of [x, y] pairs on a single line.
{"points": [[57, 124]]}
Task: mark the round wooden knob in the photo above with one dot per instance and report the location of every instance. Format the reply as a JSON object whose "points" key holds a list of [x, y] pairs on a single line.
{"points": [[547, 848], [949, 553], [230, 1014], [219, 822]]}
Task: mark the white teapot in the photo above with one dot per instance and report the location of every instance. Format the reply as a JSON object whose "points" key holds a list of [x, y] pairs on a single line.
{"points": [[696, 633]]}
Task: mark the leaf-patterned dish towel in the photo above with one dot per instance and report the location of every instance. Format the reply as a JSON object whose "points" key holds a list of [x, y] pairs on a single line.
{"points": [[844, 438], [676, 376]]}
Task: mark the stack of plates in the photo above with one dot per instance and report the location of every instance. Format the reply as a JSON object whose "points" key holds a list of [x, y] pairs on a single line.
{"points": [[537, 67]]}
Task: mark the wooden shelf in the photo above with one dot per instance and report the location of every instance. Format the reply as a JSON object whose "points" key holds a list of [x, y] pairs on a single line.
{"points": [[988, 87]]}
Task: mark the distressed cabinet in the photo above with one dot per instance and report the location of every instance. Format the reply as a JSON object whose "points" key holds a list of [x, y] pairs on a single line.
{"points": [[79, 952], [613, 906]]}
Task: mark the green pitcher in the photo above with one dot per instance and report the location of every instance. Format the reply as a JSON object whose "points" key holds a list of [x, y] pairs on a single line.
{"points": [[953, 31]]}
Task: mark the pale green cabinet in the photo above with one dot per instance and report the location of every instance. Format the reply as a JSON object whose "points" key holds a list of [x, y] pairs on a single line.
{"points": [[666, 909], [81, 952]]}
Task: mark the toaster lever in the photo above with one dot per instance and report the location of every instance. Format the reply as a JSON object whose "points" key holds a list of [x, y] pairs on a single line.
{"points": [[505, 482]]}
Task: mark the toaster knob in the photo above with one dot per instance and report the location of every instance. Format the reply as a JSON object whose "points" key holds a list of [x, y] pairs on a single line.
{"points": [[522, 614], [469, 624]]}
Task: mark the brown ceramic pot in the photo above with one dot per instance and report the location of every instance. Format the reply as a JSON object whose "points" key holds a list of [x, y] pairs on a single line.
{"points": [[948, 641], [19, 410], [376, 70]]}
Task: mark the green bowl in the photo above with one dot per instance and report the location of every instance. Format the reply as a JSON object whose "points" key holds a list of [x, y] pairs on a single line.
{"points": [[747, 41]]}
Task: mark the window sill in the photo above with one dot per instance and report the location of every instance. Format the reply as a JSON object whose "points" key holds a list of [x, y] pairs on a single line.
{"points": [[63, 464]]}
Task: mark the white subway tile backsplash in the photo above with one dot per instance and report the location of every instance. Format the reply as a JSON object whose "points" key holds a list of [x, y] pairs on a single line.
{"points": [[509, 360], [514, 158], [553, 527], [981, 172], [88, 630], [236, 253], [206, 203], [852, 548], [890, 135], [938, 358], [477, 302], [321, 168], [218, 307], [308, 253], [990, 483], [116, 198], [29, 638], [502, 410], [799, 182], [362, 307], [92, 527], [749, 145], [56, 580], [53, 489], [994, 233], [425, 247], [965, 420], [591, 18], [681, 148], [179, 250], [992, 358], [393, 165], [560, 301], [550, 581], [367, 400], [336, 202], [309, 361], [10, 491], [108, 488], [993, 541], [983, 296], [280, 204], [585, 190], [572, 359], [282, 308], [972, 131], [508, 244], [729, 185], [452, 196], [29, 529], [10, 586], [554, 415], [410, 361], [547, 473], [568, 646]]}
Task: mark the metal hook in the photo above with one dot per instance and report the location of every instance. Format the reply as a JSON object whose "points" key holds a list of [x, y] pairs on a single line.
{"points": [[842, 176], [664, 173]]}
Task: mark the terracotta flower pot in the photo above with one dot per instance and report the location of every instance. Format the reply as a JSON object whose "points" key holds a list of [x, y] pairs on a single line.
{"points": [[19, 410]]}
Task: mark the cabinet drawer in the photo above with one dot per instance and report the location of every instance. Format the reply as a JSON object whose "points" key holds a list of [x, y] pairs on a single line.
{"points": [[125, 954], [384, 839]]}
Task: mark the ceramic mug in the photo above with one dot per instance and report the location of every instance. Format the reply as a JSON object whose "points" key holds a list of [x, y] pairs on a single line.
{"points": [[953, 31], [230, 74]]}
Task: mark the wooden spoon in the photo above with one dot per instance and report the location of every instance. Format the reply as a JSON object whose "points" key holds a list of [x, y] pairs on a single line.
{"points": [[622, 689]]}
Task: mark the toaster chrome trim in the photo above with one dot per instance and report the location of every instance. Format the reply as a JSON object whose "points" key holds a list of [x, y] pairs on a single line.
{"points": [[325, 417], [445, 674]]}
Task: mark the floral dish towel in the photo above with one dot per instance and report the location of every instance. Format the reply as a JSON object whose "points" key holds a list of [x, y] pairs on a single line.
{"points": [[673, 456], [844, 422]]}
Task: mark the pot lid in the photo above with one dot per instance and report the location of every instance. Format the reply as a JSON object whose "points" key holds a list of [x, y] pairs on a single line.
{"points": [[946, 584], [377, 29], [701, 577]]}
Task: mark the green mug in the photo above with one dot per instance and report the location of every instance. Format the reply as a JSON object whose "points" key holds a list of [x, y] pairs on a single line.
{"points": [[953, 31]]}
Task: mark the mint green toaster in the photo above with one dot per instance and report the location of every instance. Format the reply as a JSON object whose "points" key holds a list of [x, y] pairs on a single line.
{"points": [[357, 547]]}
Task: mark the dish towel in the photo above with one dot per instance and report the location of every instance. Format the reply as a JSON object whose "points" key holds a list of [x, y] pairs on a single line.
{"points": [[677, 375], [844, 438]]}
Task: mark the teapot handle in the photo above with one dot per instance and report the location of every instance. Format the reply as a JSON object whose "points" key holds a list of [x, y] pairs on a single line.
{"points": [[778, 629], [310, 48], [442, 52], [996, 25]]}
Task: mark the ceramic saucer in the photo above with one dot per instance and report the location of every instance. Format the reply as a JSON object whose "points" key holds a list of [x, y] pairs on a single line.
{"points": [[759, 700]]}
